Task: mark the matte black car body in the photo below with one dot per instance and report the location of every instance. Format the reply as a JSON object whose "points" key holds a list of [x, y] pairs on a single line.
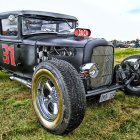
{"points": [[25, 46], [26, 59]]}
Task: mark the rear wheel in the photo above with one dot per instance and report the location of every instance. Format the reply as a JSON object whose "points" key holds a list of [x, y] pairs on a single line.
{"points": [[58, 96]]}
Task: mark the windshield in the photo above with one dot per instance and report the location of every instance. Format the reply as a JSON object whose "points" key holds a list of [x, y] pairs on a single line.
{"points": [[36, 25]]}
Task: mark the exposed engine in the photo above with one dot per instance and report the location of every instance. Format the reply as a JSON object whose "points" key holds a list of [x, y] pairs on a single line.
{"points": [[61, 51], [45, 52]]}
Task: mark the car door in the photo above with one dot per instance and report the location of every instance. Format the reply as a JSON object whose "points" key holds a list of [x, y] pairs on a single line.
{"points": [[10, 44]]}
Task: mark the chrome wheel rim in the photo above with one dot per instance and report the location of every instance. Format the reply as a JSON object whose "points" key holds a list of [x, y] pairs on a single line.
{"points": [[47, 99]]}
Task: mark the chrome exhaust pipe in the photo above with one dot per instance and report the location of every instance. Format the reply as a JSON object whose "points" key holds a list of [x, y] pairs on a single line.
{"points": [[22, 81]]}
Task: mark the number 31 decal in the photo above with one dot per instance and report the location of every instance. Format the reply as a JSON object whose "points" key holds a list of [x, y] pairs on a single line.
{"points": [[9, 54]]}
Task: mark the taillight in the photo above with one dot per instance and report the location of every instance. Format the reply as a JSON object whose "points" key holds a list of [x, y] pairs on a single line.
{"points": [[82, 32]]}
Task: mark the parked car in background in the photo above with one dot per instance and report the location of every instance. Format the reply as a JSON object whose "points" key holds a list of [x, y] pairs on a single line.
{"points": [[121, 45], [132, 45]]}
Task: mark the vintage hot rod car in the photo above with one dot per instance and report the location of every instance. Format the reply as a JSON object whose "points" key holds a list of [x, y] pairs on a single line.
{"points": [[62, 65]]}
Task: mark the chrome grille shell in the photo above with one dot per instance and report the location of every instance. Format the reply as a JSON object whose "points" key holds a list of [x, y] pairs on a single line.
{"points": [[103, 56]]}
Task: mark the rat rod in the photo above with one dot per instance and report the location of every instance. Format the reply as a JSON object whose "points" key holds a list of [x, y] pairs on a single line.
{"points": [[62, 65]]}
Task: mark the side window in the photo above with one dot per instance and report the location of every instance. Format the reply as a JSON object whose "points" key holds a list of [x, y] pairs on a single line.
{"points": [[9, 26]]}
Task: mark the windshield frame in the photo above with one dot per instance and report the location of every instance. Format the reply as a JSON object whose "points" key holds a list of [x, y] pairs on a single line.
{"points": [[74, 24]]}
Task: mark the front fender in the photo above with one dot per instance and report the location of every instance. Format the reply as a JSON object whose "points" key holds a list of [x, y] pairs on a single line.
{"points": [[133, 62]]}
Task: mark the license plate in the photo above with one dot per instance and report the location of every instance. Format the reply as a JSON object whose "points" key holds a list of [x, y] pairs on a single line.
{"points": [[107, 96]]}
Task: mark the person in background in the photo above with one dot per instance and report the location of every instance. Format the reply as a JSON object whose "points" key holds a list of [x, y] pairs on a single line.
{"points": [[137, 43]]}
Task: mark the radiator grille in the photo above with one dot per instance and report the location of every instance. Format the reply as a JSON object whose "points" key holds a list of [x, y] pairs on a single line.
{"points": [[104, 58]]}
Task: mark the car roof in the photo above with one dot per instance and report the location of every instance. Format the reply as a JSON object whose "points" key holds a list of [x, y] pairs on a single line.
{"points": [[38, 13]]}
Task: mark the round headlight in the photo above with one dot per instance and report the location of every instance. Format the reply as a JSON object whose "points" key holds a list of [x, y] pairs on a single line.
{"points": [[90, 70], [94, 71]]}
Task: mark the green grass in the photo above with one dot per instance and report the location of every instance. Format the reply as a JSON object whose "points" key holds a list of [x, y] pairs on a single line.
{"points": [[122, 53], [118, 119]]}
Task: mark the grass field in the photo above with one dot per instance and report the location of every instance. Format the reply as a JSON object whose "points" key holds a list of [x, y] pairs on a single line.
{"points": [[118, 119]]}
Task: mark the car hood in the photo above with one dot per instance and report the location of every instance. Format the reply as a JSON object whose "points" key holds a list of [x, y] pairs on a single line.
{"points": [[56, 40]]}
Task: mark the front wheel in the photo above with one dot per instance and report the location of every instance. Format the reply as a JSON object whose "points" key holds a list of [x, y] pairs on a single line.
{"points": [[134, 87], [58, 96]]}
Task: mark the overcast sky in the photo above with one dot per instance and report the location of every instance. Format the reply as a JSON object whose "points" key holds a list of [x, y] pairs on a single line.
{"points": [[110, 19]]}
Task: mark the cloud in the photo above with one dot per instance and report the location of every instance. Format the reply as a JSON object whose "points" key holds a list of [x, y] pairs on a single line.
{"points": [[135, 11], [110, 19]]}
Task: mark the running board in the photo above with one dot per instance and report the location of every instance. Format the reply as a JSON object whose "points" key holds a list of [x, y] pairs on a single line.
{"points": [[22, 81], [103, 90]]}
